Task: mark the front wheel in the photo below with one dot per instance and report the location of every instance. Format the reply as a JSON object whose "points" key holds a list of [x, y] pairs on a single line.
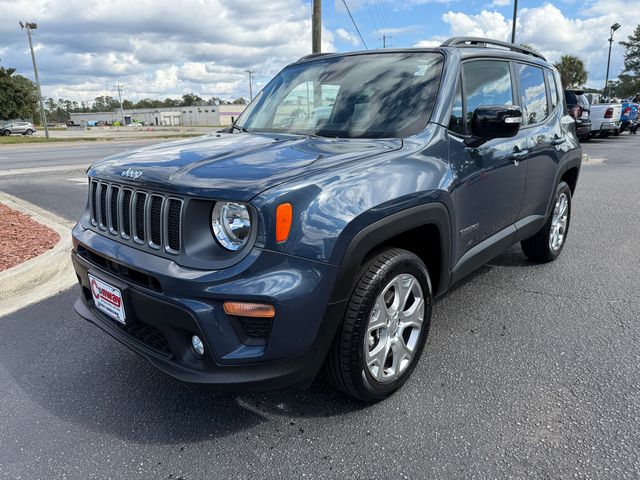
{"points": [[385, 327], [547, 244], [5, 133]]}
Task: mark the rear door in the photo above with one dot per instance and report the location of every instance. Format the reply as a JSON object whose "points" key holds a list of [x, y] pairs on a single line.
{"points": [[539, 98], [490, 176]]}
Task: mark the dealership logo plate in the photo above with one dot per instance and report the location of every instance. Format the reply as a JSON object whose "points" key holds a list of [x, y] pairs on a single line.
{"points": [[107, 299]]}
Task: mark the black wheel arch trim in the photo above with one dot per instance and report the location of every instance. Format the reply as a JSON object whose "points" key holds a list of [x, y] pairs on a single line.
{"points": [[377, 233]]}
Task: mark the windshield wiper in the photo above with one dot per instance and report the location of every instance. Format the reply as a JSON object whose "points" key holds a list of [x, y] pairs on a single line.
{"points": [[307, 134]]}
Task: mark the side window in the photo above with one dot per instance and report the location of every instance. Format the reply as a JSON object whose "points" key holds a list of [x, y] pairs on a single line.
{"points": [[552, 88], [456, 122], [532, 93], [487, 82]]}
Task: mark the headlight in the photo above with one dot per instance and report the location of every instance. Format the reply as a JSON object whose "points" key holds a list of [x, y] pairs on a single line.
{"points": [[231, 224]]}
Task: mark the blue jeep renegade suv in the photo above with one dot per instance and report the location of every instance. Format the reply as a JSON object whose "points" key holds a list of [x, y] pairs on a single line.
{"points": [[314, 234]]}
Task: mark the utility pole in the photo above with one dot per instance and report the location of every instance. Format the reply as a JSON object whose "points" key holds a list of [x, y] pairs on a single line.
{"points": [[385, 37], [119, 88], [513, 25], [43, 117], [250, 72], [614, 27], [316, 26]]}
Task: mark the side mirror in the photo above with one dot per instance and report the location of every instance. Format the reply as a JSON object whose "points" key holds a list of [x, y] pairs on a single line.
{"points": [[496, 121]]}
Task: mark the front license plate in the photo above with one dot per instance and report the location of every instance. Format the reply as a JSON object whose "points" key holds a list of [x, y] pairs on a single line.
{"points": [[107, 299]]}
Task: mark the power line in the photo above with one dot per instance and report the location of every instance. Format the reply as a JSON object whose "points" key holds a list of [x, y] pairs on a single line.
{"points": [[355, 25], [384, 16]]}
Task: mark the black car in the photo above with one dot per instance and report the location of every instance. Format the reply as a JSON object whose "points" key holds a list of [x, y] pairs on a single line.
{"points": [[316, 232], [579, 109]]}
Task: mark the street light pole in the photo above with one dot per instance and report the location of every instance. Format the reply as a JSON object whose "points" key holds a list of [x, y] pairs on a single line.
{"points": [[43, 117], [119, 87], [513, 25], [614, 27], [250, 72]]}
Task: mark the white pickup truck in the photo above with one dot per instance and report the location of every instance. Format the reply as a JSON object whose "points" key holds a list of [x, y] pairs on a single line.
{"points": [[605, 119]]}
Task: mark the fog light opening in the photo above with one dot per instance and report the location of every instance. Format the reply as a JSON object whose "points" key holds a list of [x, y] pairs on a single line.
{"points": [[197, 346]]}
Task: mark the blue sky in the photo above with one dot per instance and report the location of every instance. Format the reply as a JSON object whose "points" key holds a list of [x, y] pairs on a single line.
{"points": [[162, 48]]}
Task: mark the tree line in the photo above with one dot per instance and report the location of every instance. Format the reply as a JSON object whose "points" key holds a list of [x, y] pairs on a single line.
{"points": [[59, 110]]}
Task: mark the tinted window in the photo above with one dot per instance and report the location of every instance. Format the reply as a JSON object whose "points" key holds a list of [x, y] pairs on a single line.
{"points": [[487, 82], [552, 88], [456, 122], [532, 93], [374, 95]]}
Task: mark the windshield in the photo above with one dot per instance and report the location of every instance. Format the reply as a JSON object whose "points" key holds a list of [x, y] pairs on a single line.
{"points": [[373, 95]]}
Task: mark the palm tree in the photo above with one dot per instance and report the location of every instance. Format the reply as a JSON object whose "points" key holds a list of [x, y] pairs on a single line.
{"points": [[572, 72]]}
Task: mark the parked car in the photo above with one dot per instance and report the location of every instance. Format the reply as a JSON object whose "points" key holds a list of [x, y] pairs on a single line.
{"points": [[579, 109], [255, 257], [18, 128], [605, 119], [629, 117]]}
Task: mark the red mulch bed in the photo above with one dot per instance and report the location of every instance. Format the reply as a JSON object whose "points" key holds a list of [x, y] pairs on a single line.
{"points": [[22, 238]]}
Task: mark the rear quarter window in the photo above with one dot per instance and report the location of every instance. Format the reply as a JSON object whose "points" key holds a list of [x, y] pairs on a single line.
{"points": [[533, 94]]}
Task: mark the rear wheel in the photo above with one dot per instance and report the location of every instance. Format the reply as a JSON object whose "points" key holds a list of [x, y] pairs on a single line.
{"points": [[547, 244], [384, 329], [29, 132]]}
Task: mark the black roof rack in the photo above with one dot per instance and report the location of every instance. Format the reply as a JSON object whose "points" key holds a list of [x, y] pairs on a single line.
{"points": [[485, 42]]}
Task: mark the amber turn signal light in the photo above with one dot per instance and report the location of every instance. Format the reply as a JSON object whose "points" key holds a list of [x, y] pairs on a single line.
{"points": [[284, 215], [246, 309]]}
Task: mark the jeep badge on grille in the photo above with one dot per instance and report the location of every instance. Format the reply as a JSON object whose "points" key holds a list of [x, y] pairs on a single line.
{"points": [[135, 174]]}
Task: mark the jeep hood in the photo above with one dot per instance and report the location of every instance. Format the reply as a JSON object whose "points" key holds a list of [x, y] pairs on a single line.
{"points": [[233, 166]]}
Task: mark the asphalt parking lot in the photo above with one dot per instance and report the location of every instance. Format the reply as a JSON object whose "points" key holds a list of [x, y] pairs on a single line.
{"points": [[530, 371]]}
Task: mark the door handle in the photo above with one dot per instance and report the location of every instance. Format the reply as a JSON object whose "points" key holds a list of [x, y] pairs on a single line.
{"points": [[517, 157], [558, 141]]}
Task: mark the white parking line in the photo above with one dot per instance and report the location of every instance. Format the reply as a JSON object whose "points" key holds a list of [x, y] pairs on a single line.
{"points": [[80, 180]]}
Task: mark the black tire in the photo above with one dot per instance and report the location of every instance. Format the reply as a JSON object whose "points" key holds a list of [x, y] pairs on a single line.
{"points": [[5, 133], [345, 365], [616, 133], [538, 247], [29, 132]]}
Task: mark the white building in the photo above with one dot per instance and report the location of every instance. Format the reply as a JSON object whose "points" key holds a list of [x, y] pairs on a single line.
{"points": [[201, 116]]}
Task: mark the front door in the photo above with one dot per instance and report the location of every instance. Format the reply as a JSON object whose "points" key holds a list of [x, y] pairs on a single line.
{"points": [[489, 177]]}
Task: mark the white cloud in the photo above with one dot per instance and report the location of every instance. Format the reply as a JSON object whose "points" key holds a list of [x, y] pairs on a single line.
{"points": [[348, 37], [156, 47], [501, 3], [429, 43], [553, 33]]}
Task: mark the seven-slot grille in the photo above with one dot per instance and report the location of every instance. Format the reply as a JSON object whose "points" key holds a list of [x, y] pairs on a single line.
{"points": [[150, 219]]}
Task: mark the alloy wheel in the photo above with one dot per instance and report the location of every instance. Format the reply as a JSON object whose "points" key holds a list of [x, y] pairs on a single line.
{"points": [[559, 222], [394, 328]]}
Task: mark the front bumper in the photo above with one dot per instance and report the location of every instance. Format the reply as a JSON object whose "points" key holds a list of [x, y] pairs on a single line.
{"points": [[166, 304]]}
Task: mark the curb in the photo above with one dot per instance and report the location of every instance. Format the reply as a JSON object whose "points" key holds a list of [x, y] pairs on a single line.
{"points": [[592, 161], [44, 275], [35, 170]]}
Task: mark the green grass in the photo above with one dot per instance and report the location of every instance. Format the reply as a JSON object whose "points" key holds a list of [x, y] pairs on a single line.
{"points": [[19, 139]]}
